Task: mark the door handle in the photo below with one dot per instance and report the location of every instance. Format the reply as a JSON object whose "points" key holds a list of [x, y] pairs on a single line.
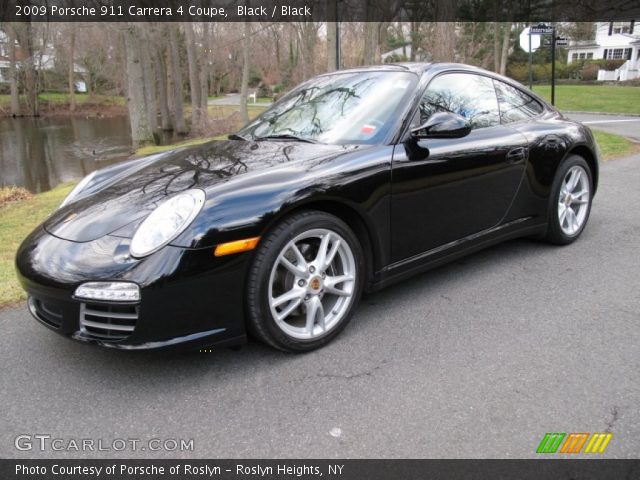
{"points": [[517, 154]]}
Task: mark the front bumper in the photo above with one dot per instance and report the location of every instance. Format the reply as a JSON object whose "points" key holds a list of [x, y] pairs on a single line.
{"points": [[188, 298]]}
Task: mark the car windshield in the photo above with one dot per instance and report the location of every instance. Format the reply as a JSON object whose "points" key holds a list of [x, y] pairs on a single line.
{"points": [[341, 108]]}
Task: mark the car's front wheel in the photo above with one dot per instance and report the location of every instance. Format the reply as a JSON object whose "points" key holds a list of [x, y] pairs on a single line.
{"points": [[571, 201], [305, 282]]}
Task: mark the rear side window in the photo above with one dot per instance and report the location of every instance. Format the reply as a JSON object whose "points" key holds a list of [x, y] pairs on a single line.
{"points": [[514, 104], [466, 94]]}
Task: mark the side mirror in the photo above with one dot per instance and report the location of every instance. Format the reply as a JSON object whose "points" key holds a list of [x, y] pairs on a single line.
{"points": [[442, 125]]}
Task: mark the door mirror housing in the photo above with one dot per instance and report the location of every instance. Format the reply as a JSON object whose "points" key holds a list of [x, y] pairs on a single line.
{"points": [[442, 125]]}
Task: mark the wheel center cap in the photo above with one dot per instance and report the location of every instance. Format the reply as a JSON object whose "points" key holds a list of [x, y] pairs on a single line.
{"points": [[315, 284]]}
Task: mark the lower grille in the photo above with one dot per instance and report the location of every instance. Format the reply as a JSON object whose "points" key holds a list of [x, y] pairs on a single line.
{"points": [[108, 321], [46, 312]]}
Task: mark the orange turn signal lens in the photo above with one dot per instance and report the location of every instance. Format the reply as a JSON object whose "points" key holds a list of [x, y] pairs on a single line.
{"points": [[236, 246]]}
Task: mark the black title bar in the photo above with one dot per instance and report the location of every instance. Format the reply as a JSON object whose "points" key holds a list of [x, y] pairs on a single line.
{"points": [[315, 10], [185, 469]]}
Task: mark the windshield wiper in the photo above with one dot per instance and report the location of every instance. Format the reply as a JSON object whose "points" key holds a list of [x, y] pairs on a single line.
{"points": [[235, 136], [287, 136]]}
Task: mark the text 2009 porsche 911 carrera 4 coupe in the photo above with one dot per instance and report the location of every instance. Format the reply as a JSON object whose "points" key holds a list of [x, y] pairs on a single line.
{"points": [[352, 181]]}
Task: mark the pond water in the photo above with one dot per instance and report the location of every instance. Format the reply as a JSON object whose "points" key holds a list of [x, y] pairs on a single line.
{"points": [[40, 153]]}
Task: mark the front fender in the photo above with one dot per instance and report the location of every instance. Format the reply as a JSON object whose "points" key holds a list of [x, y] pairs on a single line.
{"points": [[250, 205]]}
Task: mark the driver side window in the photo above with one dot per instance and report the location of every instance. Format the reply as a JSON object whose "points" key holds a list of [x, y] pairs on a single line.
{"points": [[469, 95]]}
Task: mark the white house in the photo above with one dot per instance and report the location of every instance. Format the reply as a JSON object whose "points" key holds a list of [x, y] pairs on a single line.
{"points": [[614, 41]]}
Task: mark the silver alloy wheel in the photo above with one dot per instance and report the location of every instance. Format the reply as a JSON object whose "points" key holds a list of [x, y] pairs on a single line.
{"points": [[573, 200], [312, 283]]}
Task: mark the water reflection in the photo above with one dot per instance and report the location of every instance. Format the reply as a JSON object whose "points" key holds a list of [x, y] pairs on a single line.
{"points": [[40, 153]]}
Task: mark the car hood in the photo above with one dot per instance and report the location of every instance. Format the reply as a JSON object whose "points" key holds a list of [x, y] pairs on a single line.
{"points": [[132, 197]]}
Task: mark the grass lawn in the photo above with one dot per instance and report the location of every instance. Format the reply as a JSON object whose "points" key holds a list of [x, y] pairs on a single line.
{"points": [[17, 220], [614, 146], [63, 98], [593, 98]]}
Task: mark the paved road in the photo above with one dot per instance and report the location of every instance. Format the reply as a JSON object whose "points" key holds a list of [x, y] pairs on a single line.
{"points": [[476, 359], [619, 124]]}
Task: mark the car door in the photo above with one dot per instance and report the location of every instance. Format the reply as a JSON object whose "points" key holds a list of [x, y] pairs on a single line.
{"points": [[444, 190]]}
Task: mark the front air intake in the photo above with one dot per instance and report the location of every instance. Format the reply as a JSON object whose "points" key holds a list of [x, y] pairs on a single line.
{"points": [[106, 321]]}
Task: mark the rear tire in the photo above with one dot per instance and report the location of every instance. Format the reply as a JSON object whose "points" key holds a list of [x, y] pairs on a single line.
{"points": [[570, 205], [305, 282]]}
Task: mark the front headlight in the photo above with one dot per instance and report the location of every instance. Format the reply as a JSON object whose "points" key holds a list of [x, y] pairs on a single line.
{"points": [[166, 222]]}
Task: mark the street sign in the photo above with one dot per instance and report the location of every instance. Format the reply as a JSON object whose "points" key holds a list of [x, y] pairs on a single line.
{"points": [[562, 41], [541, 30], [524, 41]]}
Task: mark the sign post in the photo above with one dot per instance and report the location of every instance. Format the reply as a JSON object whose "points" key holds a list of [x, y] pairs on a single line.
{"points": [[542, 29], [529, 43]]}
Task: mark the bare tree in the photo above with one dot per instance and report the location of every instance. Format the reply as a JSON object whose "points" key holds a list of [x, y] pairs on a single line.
{"points": [[141, 132], [176, 75], [194, 75], [444, 41], [72, 83], [160, 69], [246, 46], [204, 73], [506, 37], [332, 56], [13, 73], [149, 81], [24, 33]]}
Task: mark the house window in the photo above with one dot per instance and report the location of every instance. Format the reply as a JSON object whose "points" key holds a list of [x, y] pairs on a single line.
{"points": [[583, 56], [574, 56], [615, 54], [589, 55]]}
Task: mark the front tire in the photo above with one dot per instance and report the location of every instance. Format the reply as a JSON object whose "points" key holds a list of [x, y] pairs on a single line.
{"points": [[572, 193], [305, 282]]}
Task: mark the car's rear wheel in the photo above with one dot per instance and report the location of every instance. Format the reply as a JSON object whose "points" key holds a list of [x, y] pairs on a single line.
{"points": [[571, 201], [305, 282]]}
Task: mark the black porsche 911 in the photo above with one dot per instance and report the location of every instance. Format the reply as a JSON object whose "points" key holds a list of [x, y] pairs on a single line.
{"points": [[352, 181]]}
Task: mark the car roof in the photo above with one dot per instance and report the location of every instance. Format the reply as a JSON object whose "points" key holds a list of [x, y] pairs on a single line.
{"points": [[421, 68]]}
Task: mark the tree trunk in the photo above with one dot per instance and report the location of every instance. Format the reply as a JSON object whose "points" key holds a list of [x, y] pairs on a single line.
{"points": [[140, 130], [445, 42], [415, 41], [505, 48], [25, 38], [176, 75], [332, 57], [371, 42], [194, 75], [496, 47], [149, 86], [13, 74], [246, 45], [204, 74], [72, 83], [332, 36], [161, 74]]}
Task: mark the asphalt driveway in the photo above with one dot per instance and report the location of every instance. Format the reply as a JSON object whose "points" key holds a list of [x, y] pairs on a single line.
{"points": [[476, 359]]}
